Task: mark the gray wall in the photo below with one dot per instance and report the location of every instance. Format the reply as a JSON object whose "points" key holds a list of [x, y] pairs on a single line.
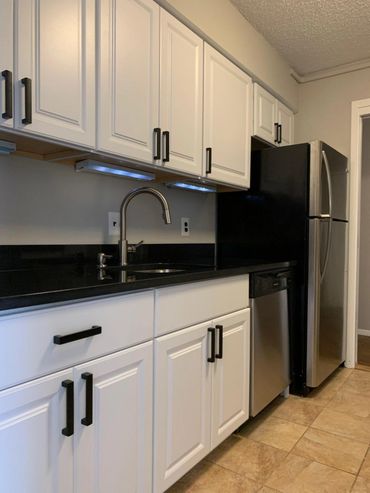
{"points": [[49, 203], [364, 282]]}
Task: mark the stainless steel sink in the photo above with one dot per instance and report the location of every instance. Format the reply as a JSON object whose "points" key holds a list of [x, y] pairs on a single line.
{"points": [[157, 271]]}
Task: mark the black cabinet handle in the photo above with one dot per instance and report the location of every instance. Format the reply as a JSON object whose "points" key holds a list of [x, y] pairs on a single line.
{"points": [[166, 144], [280, 134], [8, 76], [220, 353], [88, 419], [69, 429], [211, 359], [208, 160], [276, 133], [27, 82], [76, 336], [157, 143]]}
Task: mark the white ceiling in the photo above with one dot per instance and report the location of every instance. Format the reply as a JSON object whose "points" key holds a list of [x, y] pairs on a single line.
{"points": [[312, 34]]}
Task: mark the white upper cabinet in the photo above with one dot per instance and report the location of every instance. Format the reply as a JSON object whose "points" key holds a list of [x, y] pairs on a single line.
{"points": [[128, 84], [285, 118], [6, 63], [227, 120], [273, 121], [35, 456], [181, 96], [56, 69]]}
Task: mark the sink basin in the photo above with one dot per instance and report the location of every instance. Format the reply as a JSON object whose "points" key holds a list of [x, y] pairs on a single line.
{"points": [[158, 271]]}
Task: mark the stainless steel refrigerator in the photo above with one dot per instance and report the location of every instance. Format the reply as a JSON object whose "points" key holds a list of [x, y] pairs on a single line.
{"points": [[296, 210]]}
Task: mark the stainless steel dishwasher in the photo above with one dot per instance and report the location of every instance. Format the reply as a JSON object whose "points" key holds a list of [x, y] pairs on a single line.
{"points": [[270, 373]]}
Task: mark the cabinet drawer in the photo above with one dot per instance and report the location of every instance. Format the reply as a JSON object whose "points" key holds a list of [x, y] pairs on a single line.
{"points": [[181, 306], [27, 348]]}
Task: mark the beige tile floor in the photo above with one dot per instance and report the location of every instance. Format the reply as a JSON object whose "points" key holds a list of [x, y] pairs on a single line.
{"points": [[317, 444]]}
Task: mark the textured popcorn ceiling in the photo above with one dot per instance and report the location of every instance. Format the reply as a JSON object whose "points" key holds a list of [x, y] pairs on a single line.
{"points": [[312, 34]]}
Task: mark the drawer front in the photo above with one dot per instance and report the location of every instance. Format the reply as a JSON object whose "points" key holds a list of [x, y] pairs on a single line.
{"points": [[181, 306], [27, 348]]}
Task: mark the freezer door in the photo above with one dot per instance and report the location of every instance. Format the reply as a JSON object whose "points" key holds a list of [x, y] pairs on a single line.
{"points": [[326, 297], [328, 182]]}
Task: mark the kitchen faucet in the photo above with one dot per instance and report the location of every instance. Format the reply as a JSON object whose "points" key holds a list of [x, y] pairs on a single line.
{"points": [[123, 244]]}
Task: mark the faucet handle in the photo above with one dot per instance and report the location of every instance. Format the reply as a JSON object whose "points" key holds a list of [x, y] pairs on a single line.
{"points": [[102, 257], [132, 248]]}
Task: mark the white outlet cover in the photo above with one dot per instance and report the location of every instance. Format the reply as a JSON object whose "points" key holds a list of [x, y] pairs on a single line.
{"points": [[113, 223], [185, 226]]}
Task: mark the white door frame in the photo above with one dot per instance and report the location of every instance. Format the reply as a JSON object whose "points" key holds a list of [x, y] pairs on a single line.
{"points": [[360, 109]]}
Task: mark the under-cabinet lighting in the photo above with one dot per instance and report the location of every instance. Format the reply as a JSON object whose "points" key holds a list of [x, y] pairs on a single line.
{"points": [[7, 147], [187, 185], [113, 170]]}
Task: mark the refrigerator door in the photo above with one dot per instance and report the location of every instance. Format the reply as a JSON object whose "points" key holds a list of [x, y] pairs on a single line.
{"points": [[328, 182], [326, 296]]}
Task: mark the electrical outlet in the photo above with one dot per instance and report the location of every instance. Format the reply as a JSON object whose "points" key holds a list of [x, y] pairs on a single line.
{"points": [[185, 226], [113, 223]]}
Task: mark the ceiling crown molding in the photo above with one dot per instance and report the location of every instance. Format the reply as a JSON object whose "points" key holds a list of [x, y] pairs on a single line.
{"points": [[331, 72]]}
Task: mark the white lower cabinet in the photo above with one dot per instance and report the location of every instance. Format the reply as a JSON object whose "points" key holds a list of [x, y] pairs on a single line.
{"points": [[91, 424], [201, 392]]}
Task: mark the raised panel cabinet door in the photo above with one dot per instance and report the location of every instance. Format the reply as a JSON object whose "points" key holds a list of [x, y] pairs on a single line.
{"points": [[285, 118], [227, 120], [6, 63], [230, 396], [128, 85], [182, 385], [265, 117], [35, 456], [181, 96], [55, 80], [114, 419]]}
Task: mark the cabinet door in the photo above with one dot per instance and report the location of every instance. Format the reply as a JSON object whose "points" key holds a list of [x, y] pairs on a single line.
{"points": [[230, 395], [285, 118], [128, 87], [227, 119], [181, 95], [114, 452], [34, 454], [182, 403], [265, 118], [6, 63], [56, 61]]}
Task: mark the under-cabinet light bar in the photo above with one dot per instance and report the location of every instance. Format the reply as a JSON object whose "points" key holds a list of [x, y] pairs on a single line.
{"points": [[7, 147], [113, 170], [186, 185]]}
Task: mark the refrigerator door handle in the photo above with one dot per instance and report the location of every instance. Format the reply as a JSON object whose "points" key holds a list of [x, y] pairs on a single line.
{"points": [[328, 248], [330, 188], [327, 216]]}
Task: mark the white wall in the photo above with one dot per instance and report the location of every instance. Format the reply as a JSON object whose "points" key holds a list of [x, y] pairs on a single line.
{"points": [[325, 108], [49, 203], [364, 281], [225, 26]]}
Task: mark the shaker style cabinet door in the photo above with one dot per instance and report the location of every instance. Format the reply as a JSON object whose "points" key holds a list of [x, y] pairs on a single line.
{"points": [[6, 63], [182, 386], [55, 61], [230, 396], [285, 118], [35, 456], [227, 120], [181, 96], [265, 121], [128, 78], [114, 422]]}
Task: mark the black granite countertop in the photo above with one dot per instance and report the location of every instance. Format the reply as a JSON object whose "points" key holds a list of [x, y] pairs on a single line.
{"points": [[40, 283]]}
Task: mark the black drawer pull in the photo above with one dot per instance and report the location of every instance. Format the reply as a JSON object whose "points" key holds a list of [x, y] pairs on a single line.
{"points": [[208, 160], [211, 359], [8, 76], [166, 142], [157, 143], [76, 336], [88, 419], [27, 82], [220, 353], [69, 429]]}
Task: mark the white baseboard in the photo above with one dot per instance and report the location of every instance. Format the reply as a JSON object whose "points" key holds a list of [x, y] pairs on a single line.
{"points": [[362, 332]]}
